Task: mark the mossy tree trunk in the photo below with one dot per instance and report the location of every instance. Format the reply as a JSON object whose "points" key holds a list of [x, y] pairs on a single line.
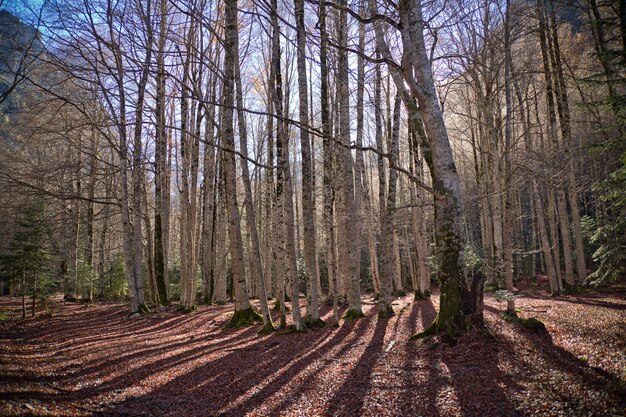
{"points": [[415, 83], [243, 311]]}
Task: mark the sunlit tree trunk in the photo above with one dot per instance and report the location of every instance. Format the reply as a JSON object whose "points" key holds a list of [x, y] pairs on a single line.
{"points": [[255, 246], [244, 314], [308, 186], [348, 211], [457, 302], [385, 215]]}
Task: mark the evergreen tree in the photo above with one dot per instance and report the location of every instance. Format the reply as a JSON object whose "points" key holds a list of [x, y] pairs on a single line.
{"points": [[27, 258]]}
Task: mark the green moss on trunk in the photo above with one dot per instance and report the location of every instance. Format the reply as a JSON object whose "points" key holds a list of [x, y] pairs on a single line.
{"points": [[385, 311], [313, 323], [188, 309], [351, 314], [244, 317], [143, 308], [419, 295], [292, 329], [267, 328]]}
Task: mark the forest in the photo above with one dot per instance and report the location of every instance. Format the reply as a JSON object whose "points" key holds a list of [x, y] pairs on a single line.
{"points": [[313, 208]]}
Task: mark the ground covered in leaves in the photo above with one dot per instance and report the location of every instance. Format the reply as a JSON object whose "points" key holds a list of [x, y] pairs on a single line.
{"points": [[94, 360]]}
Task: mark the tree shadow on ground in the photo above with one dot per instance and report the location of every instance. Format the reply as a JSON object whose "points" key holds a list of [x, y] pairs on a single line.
{"points": [[466, 377], [584, 299], [587, 376], [349, 398], [419, 381], [239, 381]]}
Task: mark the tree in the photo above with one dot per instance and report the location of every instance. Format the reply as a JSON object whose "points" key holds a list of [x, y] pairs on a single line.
{"points": [[312, 314], [347, 242], [458, 302], [27, 258], [244, 314]]}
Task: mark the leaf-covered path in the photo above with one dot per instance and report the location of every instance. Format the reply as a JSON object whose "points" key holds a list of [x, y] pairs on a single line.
{"points": [[93, 360]]}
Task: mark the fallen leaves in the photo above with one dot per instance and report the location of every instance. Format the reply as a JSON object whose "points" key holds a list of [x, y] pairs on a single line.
{"points": [[97, 361]]}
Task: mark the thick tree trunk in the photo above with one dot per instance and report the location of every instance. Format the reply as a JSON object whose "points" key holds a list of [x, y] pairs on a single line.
{"points": [[457, 302], [244, 314]]}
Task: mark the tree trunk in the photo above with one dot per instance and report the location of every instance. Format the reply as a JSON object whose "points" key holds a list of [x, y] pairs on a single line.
{"points": [[256, 263], [308, 186], [328, 176], [457, 302], [348, 213], [244, 314]]}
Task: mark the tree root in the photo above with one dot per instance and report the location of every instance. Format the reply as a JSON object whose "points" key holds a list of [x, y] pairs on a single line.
{"points": [[314, 323], [352, 314], [188, 309], [267, 328], [385, 312], [143, 308], [243, 317], [292, 329], [419, 295]]}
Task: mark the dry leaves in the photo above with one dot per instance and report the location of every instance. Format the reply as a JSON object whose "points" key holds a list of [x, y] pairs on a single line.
{"points": [[93, 360]]}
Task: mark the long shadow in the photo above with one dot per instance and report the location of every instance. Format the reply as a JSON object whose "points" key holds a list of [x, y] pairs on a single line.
{"points": [[467, 374], [129, 378], [349, 399], [590, 300], [586, 375], [422, 392], [478, 380], [226, 379], [355, 330]]}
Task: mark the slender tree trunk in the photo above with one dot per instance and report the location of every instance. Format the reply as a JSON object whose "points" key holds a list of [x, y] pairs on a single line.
{"points": [[256, 263], [160, 166], [348, 214], [508, 211], [566, 136], [328, 183], [308, 185], [385, 215], [393, 147]]}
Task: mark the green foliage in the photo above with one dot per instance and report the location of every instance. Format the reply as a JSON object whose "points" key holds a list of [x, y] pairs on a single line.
{"points": [[27, 258], [117, 286], [610, 236], [86, 277], [472, 260]]}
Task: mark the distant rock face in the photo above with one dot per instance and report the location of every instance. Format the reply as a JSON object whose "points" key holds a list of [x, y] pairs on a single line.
{"points": [[17, 40], [20, 47]]}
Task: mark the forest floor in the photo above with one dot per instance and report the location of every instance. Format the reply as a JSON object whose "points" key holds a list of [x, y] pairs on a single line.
{"points": [[94, 360]]}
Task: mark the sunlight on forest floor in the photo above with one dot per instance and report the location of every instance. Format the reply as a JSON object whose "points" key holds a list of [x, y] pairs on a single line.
{"points": [[92, 359]]}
